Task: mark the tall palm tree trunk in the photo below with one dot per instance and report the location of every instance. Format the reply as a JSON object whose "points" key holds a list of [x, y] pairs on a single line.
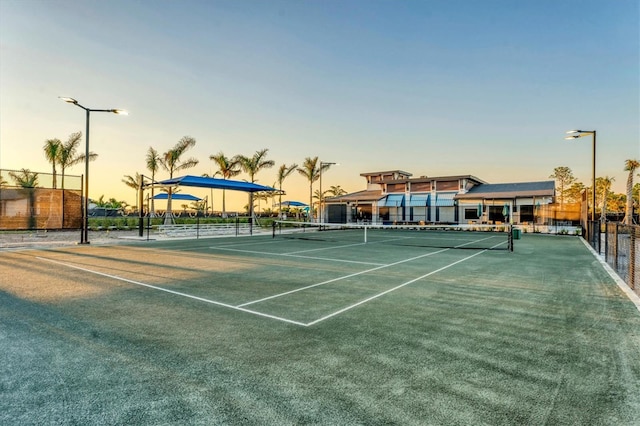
{"points": [[224, 204], [631, 166]]}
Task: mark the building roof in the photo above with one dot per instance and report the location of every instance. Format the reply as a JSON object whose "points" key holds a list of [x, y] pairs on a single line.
{"points": [[386, 172], [511, 190], [441, 178], [373, 195]]}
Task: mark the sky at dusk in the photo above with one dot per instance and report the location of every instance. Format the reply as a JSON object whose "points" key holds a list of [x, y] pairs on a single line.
{"points": [[456, 87]]}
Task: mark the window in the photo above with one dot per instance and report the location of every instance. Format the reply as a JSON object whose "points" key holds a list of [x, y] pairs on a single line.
{"points": [[526, 214], [395, 187], [449, 185], [495, 213], [471, 214], [421, 186]]}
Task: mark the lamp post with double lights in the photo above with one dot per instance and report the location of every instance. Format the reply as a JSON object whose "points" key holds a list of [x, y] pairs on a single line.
{"points": [[575, 134], [84, 238], [320, 209]]}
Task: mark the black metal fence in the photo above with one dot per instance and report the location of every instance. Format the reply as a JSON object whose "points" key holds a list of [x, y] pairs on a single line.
{"points": [[620, 246]]}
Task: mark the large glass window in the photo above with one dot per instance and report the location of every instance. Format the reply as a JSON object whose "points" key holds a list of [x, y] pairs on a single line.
{"points": [[526, 214], [495, 213], [471, 214]]}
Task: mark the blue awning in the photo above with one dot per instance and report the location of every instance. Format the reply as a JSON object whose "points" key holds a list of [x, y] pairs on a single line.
{"points": [[186, 197], [445, 200], [392, 200], [207, 182], [419, 200]]}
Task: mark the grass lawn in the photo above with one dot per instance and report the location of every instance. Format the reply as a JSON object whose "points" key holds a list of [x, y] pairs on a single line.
{"points": [[154, 333]]}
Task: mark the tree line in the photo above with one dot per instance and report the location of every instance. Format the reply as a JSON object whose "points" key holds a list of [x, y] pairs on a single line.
{"points": [[62, 155], [570, 190]]}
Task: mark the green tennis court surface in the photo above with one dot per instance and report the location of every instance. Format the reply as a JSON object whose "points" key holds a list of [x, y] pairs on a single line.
{"points": [[282, 331]]}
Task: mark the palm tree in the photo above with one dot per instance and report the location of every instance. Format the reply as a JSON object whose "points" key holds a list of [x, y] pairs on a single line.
{"points": [[25, 178], [336, 191], [251, 166], [28, 180], [210, 193], [311, 170], [603, 184], [262, 196], [629, 166], [133, 183], [228, 167], [318, 197], [171, 162], [153, 164], [283, 172], [52, 148], [69, 157]]}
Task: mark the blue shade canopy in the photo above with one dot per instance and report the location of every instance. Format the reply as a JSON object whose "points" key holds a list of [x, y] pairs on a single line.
{"points": [[207, 182], [293, 204], [187, 197]]}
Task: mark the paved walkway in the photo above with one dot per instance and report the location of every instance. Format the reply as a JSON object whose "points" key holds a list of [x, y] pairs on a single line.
{"points": [[20, 240], [47, 239]]}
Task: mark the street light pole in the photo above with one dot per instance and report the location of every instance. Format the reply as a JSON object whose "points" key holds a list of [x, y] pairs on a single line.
{"points": [[575, 134], [320, 209], [84, 236]]}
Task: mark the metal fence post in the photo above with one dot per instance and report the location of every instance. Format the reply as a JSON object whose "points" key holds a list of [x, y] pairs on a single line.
{"points": [[632, 258]]}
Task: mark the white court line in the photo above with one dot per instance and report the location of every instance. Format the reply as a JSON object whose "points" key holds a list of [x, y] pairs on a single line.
{"points": [[178, 293], [327, 248], [286, 320], [254, 243], [342, 278], [359, 262], [390, 290], [366, 271], [635, 299]]}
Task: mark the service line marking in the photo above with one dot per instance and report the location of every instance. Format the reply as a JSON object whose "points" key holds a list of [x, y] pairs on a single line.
{"points": [[178, 293], [295, 254], [368, 299], [342, 278]]}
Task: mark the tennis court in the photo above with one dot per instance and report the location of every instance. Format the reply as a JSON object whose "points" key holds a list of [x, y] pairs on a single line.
{"points": [[317, 330]]}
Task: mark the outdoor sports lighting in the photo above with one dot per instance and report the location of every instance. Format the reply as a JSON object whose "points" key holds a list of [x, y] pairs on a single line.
{"points": [[84, 237], [320, 210], [575, 134]]}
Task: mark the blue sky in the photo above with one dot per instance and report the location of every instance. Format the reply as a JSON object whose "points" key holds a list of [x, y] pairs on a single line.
{"points": [[486, 88]]}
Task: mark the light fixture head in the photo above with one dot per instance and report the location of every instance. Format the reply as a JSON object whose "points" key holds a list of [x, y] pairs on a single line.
{"points": [[120, 111], [68, 100]]}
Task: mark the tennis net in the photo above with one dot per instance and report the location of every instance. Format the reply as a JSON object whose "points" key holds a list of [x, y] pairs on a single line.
{"points": [[478, 237]]}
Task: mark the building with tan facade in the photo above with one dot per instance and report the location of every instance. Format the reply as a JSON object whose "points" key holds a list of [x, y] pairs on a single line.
{"points": [[395, 197]]}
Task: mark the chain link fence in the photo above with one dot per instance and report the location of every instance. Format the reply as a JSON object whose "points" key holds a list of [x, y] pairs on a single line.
{"points": [[620, 246]]}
